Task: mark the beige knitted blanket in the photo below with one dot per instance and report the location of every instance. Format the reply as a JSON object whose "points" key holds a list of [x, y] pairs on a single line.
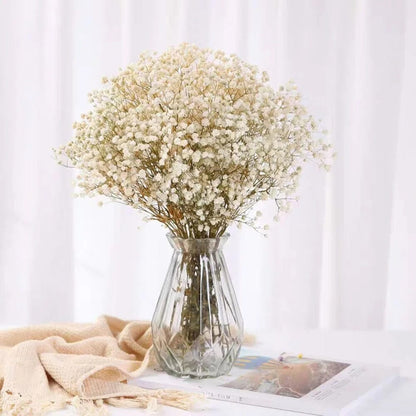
{"points": [[46, 367]]}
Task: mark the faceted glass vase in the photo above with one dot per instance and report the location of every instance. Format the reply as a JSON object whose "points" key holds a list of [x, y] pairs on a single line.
{"points": [[197, 325]]}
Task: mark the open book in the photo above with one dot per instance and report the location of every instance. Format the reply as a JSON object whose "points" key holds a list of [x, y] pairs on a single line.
{"points": [[289, 382]]}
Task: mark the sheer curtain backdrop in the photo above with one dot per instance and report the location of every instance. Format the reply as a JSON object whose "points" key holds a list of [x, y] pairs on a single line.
{"points": [[345, 257]]}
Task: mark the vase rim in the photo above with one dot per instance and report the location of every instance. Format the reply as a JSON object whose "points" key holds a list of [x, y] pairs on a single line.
{"points": [[224, 236], [197, 245]]}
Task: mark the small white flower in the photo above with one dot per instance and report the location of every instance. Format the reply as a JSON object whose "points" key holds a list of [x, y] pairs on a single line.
{"points": [[219, 200], [196, 156]]}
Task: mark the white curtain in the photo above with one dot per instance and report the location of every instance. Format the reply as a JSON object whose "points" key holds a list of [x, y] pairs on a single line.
{"points": [[345, 257]]}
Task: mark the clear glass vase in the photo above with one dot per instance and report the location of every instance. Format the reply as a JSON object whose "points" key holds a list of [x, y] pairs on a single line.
{"points": [[197, 325]]}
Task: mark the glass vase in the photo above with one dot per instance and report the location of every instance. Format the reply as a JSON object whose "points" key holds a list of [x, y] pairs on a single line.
{"points": [[197, 325]]}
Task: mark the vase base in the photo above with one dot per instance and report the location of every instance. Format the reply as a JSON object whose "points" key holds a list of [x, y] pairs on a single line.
{"points": [[200, 366]]}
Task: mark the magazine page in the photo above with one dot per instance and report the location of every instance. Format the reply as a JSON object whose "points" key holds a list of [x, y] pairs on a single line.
{"points": [[309, 385]]}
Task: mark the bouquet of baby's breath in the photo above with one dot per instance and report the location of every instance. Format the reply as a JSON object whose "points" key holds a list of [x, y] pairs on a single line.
{"points": [[194, 138]]}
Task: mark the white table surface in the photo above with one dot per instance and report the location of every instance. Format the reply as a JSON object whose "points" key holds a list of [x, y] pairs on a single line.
{"points": [[377, 347]]}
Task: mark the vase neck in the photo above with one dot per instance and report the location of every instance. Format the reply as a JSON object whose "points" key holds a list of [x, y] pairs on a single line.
{"points": [[197, 245]]}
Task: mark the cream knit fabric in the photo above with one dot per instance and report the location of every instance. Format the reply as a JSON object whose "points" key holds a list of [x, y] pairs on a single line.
{"points": [[43, 368]]}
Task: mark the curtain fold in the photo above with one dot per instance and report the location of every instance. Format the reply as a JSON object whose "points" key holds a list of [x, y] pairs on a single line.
{"points": [[343, 258]]}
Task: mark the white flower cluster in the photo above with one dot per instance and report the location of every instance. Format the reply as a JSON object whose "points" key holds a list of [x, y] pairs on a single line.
{"points": [[194, 138]]}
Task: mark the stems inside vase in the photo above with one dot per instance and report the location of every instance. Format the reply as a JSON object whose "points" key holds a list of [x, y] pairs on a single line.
{"points": [[200, 311]]}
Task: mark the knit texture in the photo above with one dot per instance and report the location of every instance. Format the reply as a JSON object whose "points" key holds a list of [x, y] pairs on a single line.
{"points": [[46, 367]]}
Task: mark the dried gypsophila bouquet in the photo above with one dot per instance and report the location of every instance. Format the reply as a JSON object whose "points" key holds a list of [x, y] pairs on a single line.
{"points": [[194, 138]]}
